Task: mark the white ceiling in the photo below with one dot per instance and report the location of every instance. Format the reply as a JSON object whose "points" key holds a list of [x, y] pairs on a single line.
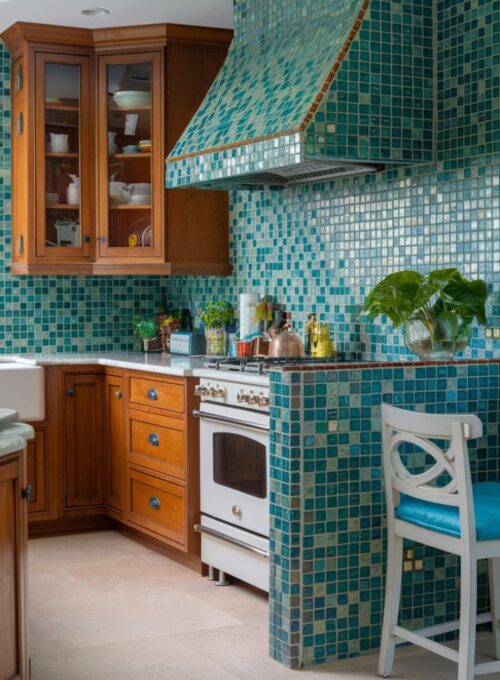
{"points": [[121, 12]]}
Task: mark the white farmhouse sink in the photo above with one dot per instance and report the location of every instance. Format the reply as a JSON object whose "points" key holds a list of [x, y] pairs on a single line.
{"points": [[22, 389]]}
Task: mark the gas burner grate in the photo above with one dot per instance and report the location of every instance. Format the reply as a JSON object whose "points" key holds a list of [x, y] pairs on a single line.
{"points": [[262, 365]]}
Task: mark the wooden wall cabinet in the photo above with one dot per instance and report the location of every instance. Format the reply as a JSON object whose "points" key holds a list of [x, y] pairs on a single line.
{"points": [[13, 552], [68, 120]]}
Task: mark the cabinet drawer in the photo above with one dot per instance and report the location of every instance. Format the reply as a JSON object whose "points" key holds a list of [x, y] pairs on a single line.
{"points": [[157, 506], [157, 393], [157, 443]]}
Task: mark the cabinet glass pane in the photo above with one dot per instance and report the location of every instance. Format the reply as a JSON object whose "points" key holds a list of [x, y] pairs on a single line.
{"points": [[129, 152], [62, 155]]}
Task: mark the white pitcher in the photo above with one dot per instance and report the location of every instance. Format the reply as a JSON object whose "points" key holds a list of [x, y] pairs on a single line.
{"points": [[112, 147], [58, 143]]}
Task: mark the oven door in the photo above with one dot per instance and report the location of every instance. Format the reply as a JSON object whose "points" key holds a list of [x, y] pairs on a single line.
{"points": [[234, 466]]}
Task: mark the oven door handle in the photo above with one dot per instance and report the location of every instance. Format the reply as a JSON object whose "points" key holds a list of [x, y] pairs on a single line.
{"points": [[201, 529], [225, 419]]}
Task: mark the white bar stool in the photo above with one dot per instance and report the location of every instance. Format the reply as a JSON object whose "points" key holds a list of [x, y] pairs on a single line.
{"points": [[458, 517]]}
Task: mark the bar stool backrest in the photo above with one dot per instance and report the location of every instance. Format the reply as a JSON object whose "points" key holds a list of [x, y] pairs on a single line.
{"points": [[423, 430]]}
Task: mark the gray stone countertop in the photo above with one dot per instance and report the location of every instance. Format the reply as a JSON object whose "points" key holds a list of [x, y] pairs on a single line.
{"points": [[177, 365], [13, 436]]}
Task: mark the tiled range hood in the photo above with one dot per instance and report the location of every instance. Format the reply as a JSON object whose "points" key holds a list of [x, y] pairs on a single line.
{"points": [[311, 90]]}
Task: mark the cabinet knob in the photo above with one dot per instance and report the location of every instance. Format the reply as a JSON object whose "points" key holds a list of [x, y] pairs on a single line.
{"points": [[154, 502], [27, 493], [101, 239], [86, 239], [118, 394], [70, 393], [152, 394], [153, 439]]}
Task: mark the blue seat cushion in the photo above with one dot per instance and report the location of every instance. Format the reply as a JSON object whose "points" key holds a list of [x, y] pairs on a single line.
{"points": [[445, 519]]}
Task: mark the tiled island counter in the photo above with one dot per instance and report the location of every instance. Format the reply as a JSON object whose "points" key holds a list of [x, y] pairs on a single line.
{"points": [[328, 507]]}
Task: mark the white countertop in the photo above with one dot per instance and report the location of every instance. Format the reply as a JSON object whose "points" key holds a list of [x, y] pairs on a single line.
{"points": [[177, 365]]}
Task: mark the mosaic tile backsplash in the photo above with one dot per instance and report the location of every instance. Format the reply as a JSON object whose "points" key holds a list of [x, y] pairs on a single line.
{"points": [[322, 247], [61, 313], [379, 106], [328, 504]]}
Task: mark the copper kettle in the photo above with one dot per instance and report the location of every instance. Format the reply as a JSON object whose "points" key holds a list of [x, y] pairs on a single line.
{"points": [[286, 344]]}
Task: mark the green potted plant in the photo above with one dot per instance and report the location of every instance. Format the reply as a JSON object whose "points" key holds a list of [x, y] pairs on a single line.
{"points": [[216, 315], [147, 332], [436, 310]]}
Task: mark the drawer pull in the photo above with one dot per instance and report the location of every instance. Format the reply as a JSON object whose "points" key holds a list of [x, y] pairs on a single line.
{"points": [[154, 502], [153, 439], [119, 394], [152, 394]]}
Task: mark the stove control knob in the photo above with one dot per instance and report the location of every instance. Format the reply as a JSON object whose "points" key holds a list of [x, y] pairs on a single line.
{"points": [[236, 510], [219, 392], [263, 400], [201, 391], [240, 397], [253, 399]]}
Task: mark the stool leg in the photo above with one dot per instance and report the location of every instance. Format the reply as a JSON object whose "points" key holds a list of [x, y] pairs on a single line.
{"points": [[391, 608], [494, 569], [468, 604]]}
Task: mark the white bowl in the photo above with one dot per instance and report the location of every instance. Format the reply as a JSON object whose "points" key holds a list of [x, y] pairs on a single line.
{"points": [[141, 188], [129, 99], [140, 199]]}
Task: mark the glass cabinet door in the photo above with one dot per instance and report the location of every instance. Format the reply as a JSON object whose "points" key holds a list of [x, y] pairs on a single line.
{"points": [[130, 156], [63, 140]]}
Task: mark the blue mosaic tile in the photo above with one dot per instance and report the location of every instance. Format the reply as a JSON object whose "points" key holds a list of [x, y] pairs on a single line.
{"points": [[281, 56], [327, 602]]}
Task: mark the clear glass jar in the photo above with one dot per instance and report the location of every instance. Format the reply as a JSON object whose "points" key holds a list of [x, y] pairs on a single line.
{"points": [[440, 338], [216, 339]]}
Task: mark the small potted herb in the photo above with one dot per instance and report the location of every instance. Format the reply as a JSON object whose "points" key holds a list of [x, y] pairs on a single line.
{"points": [[436, 310], [216, 315], [147, 331]]}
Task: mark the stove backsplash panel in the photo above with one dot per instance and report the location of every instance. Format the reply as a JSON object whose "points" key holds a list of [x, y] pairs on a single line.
{"points": [[322, 247]]}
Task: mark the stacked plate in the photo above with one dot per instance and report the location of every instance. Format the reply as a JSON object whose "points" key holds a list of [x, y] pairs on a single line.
{"points": [[129, 99], [140, 193]]}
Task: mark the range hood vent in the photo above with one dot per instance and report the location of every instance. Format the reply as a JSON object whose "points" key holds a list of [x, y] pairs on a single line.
{"points": [[312, 91], [304, 173]]}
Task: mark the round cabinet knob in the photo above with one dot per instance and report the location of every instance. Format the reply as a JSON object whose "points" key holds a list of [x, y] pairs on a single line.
{"points": [[154, 503], [153, 439], [27, 493], [118, 394], [263, 400], [236, 510], [70, 393], [152, 394]]}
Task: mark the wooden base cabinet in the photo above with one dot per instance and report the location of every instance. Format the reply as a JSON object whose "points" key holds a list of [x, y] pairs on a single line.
{"points": [[107, 106], [13, 551], [114, 443], [117, 446]]}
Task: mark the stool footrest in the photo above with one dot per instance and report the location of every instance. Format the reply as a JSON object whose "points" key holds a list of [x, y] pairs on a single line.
{"points": [[421, 641], [487, 667], [447, 627]]}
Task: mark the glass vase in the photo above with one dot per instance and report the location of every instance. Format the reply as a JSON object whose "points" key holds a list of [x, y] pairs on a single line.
{"points": [[216, 341], [439, 338]]}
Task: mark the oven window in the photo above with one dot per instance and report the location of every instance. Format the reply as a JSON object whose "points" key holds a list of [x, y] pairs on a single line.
{"points": [[240, 464]]}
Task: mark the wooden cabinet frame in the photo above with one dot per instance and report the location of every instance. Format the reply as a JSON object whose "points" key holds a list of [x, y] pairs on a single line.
{"points": [[191, 227]]}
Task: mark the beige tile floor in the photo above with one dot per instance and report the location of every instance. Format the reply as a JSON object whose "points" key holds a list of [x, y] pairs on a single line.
{"points": [[103, 607]]}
